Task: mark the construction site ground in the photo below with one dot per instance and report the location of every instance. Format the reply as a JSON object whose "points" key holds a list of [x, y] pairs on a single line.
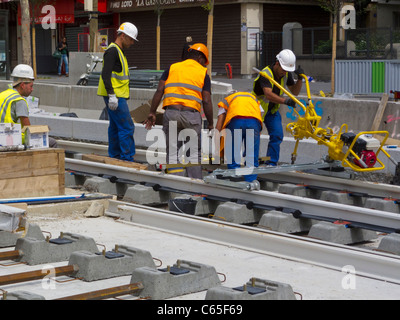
{"points": [[238, 265]]}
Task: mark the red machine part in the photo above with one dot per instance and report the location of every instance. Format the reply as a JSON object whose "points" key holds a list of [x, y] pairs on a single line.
{"points": [[396, 94], [368, 157]]}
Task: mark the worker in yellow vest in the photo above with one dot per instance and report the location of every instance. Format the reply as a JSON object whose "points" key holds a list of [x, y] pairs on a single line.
{"points": [[13, 106], [241, 114], [114, 87], [186, 88], [270, 97]]}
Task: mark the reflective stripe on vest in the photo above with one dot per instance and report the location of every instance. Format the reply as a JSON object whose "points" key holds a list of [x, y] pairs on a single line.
{"points": [[241, 104], [184, 85], [119, 80], [261, 98]]}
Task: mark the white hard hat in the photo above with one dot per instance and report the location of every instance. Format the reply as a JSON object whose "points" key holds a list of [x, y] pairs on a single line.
{"points": [[287, 60], [129, 29], [23, 71]]}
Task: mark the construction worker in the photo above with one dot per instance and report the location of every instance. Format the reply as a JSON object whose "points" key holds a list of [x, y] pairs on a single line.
{"points": [[241, 114], [185, 86], [270, 97], [13, 106], [114, 87]]}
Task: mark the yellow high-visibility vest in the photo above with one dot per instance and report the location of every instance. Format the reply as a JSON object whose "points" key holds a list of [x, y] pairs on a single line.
{"points": [[260, 98], [7, 97], [119, 80]]}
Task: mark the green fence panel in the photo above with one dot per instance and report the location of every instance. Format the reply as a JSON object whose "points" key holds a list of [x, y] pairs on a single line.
{"points": [[378, 77]]}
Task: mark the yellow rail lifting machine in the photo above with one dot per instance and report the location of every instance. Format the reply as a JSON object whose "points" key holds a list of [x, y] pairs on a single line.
{"points": [[358, 152]]}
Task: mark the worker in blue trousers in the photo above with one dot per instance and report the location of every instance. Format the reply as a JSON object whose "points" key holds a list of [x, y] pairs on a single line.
{"points": [[240, 114], [114, 87], [270, 97]]}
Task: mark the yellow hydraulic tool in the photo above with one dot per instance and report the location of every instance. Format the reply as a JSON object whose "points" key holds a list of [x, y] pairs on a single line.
{"points": [[356, 151]]}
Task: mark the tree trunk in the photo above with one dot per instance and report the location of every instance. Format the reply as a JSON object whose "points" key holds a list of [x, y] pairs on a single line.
{"points": [[93, 28], [210, 37], [26, 33], [334, 38], [158, 41]]}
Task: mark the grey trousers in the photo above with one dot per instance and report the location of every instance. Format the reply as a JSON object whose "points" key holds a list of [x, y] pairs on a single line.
{"points": [[183, 137]]}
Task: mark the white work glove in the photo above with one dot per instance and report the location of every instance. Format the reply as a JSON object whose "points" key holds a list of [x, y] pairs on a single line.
{"points": [[112, 102]]}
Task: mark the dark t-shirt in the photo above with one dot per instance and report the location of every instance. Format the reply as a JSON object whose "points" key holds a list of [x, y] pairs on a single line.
{"points": [[111, 63], [263, 82]]}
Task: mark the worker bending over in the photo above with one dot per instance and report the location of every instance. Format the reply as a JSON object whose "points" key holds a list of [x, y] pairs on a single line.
{"points": [[186, 87], [270, 97], [241, 114]]}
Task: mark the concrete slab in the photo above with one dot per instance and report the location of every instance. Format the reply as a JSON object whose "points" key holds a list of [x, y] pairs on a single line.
{"points": [[390, 243], [339, 233], [36, 251], [182, 278], [102, 185], [254, 289], [237, 213], [22, 295], [293, 189], [389, 205], [284, 222], [145, 195], [9, 239], [202, 207], [342, 197], [122, 260]]}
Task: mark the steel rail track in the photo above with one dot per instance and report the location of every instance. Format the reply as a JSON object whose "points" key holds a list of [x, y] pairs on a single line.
{"points": [[306, 207], [372, 264], [297, 177]]}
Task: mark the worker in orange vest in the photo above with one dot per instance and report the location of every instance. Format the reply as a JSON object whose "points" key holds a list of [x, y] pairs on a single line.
{"points": [[241, 114]]}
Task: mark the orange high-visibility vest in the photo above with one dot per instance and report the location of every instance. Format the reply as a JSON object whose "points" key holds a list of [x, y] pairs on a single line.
{"points": [[184, 85], [242, 104]]}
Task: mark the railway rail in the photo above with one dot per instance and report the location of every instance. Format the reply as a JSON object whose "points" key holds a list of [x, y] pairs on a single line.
{"points": [[371, 264]]}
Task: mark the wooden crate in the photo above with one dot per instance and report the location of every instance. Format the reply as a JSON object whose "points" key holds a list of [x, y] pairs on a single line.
{"points": [[32, 173]]}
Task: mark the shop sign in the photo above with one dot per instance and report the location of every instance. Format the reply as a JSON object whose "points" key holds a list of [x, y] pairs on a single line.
{"points": [[130, 5]]}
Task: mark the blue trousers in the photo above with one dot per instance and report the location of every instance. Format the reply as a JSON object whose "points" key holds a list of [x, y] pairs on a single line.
{"points": [[251, 148], [273, 122], [64, 59], [121, 144]]}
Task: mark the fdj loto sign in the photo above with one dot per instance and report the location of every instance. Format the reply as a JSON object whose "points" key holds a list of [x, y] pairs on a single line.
{"points": [[124, 5]]}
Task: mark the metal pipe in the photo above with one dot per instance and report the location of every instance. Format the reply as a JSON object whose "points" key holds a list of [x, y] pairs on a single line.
{"points": [[107, 293], [9, 255], [37, 274]]}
